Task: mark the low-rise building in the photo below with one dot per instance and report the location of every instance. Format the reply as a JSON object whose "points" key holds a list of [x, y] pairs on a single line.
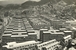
{"points": [[28, 45], [40, 46]]}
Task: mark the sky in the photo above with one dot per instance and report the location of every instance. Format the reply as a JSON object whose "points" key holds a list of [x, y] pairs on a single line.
{"points": [[19, 1]]}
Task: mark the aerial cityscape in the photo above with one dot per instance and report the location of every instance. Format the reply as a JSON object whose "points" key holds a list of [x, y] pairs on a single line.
{"points": [[48, 26]]}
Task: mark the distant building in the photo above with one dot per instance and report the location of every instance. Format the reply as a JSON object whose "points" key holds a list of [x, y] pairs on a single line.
{"points": [[53, 46], [18, 37], [41, 33], [1, 32], [74, 32], [71, 24], [57, 35], [28, 45], [1, 29], [46, 35], [18, 30], [40, 46], [68, 33], [39, 23], [67, 38]]}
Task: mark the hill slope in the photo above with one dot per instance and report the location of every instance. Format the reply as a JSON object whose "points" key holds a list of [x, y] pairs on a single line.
{"points": [[30, 3]]}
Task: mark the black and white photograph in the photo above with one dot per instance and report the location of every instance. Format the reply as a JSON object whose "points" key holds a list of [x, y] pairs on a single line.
{"points": [[37, 24]]}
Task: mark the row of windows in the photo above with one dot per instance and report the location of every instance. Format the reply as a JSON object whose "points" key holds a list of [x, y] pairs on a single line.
{"points": [[51, 48], [46, 43], [26, 46], [27, 24]]}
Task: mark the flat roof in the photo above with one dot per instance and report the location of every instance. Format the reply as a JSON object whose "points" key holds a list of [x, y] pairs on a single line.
{"points": [[69, 36], [58, 33], [6, 35], [43, 29], [54, 40], [10, 43], [62, 28], [53, 30], [30, 30], [19, 30], [7, 31], [46, 32], [19, 35], [67, 31], [20, 44], [32, 33]]}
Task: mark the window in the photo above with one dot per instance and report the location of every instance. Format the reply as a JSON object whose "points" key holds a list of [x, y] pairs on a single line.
{"points": [[15, 34], [14, 48], [24, 33], [21, 49], [10, 45], [15, 29], [10, 49], [8, 33], [52, 31]]}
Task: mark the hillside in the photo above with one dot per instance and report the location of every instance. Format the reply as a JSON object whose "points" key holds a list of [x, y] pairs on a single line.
{"points": [[30, 3]]}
